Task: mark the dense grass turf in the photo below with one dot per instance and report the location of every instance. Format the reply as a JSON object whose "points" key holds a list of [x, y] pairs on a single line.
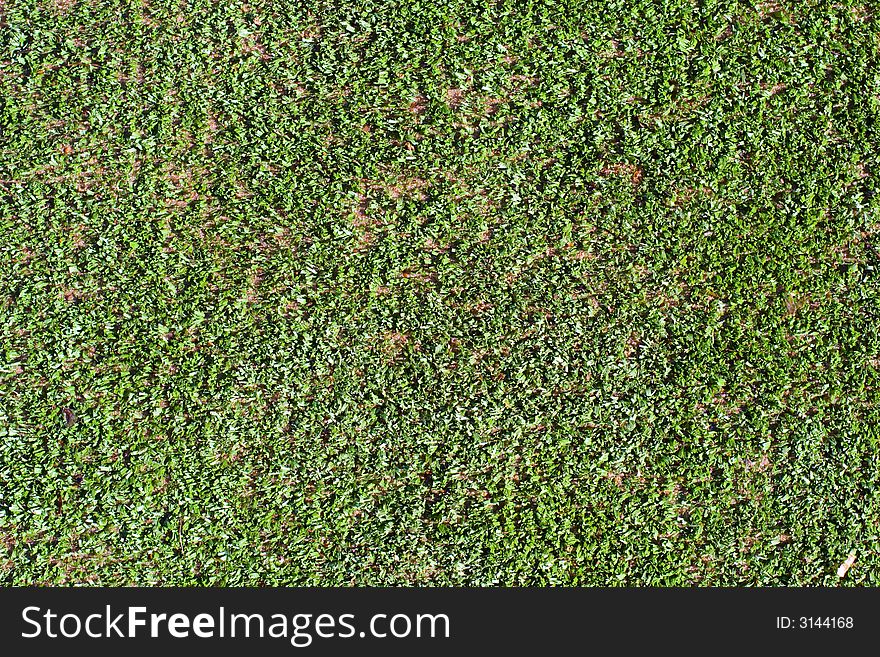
{"points": [[439, 292]]}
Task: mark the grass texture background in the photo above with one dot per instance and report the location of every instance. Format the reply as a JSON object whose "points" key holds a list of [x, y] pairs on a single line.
{"points": [[435, 293]]}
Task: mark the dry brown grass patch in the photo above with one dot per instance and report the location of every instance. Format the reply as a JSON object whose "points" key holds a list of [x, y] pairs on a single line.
{"points": [[455, 98], [635, 173], [419, 105], [768, 9], [60, 6]]}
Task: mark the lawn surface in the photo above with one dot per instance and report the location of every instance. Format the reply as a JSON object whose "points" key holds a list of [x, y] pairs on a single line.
{"points": [[439, 293]]}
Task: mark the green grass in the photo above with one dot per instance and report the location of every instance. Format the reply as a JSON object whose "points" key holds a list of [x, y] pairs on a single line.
{"points": [[439, 292]]}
